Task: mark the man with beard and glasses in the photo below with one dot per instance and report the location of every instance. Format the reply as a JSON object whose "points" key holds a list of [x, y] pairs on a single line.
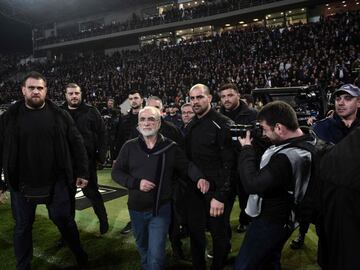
{"points": [[146, 166], [208, 145], [42, 152], [127, 130], [92, 128]]}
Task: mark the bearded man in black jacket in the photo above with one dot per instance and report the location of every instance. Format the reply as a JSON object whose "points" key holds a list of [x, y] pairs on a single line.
{"points": [[92, 128], [41, 152], [238, 111]]}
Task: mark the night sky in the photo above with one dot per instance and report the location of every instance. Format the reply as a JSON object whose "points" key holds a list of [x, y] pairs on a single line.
{"points": [[14, 36]]}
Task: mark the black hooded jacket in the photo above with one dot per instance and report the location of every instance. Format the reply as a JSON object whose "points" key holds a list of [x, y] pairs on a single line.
{"points": [[136, 162], [340, 203]]}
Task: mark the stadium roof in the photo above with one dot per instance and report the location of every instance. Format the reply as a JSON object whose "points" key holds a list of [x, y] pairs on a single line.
{"points": [[41, 11]]}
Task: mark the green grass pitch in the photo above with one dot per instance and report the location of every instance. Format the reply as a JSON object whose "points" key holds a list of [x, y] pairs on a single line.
{"points": [[116, 251]]}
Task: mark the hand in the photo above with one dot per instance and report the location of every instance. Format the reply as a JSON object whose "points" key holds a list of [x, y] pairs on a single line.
{"points": [[247, 140], [203, 185], [310, 121], [81, 182], [146, 185], [216, 208]]}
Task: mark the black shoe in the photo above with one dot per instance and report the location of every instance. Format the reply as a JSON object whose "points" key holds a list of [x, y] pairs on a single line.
{"points": [[126, 229], [241, 228], [83, 261], [104, 226], [298, 242], [60, 243]]}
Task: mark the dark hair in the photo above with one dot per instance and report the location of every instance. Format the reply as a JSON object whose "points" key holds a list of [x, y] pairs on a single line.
{"points": [[72, 85], [133, 92], [33, 75], [279, 112], [228, 86]]}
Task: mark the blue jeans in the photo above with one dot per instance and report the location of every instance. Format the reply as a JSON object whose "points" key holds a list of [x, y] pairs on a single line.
{"points": [[150, 234], [262, 245], [59, 212]]}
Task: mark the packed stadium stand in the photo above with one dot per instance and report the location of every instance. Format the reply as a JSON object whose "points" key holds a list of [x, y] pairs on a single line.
{"points": [[313, 45]]}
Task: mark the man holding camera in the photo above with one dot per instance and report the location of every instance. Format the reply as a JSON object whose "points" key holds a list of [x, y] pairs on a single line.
{"points": [[238, 111], [272, 185]]}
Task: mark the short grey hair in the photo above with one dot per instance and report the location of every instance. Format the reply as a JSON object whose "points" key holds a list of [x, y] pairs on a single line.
{"points": [[155, 98], [153, 110]]}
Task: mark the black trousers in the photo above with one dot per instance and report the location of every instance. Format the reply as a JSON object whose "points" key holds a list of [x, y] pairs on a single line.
{"points": [[198, 219], [91, 191], [60, 213]]}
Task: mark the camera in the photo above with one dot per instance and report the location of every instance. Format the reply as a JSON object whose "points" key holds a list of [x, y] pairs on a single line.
{"points": [[307, 101], [239, 130]]}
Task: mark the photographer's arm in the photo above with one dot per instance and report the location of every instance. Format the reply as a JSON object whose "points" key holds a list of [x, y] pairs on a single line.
{"points": [[256, 181]]}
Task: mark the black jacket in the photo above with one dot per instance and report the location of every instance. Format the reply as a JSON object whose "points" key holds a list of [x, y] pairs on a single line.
{"points": [[208, 144], [340, 202], [272, 182], [92, 128], [333, 129], [135, 162], [71, 158], [125, 130]]}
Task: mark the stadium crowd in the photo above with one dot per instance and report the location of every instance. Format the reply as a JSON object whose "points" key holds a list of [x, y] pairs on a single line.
{"points": [[323, 53]]}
